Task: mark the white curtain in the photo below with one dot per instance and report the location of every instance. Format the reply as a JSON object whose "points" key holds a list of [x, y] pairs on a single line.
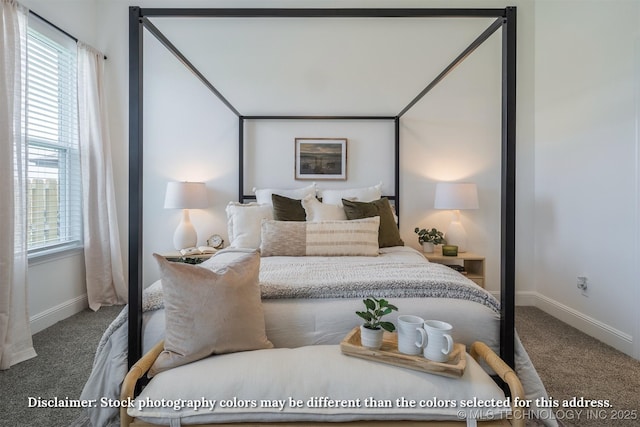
{"points": [[103, 260], [15, 334]]}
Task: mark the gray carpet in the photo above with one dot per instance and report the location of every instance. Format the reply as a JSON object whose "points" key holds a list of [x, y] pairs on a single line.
{"points": [[65, 355], [570, 363]]}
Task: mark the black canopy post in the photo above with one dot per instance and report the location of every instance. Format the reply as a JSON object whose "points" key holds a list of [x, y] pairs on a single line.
{"points": [[506, 20], [240, 158], [396, 126], [323, 13], [508, 193], [135, 185]]}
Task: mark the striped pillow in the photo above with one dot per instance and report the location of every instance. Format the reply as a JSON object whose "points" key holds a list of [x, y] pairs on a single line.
{"points": [[325, 238]]}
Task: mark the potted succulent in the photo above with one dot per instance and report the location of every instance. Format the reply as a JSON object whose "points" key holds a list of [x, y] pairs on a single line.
{"points": [[429, 238], [372, 330]]}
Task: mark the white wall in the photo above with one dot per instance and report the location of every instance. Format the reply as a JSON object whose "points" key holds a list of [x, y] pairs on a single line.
{"points": [[57, 289], [586, 164]]}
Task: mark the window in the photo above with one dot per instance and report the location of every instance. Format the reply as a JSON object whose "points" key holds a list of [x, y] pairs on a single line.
{"points": [[54, 216]]}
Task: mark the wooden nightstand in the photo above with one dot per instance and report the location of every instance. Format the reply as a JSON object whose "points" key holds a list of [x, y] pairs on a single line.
{"points": [[187, 259], [473, 263]]}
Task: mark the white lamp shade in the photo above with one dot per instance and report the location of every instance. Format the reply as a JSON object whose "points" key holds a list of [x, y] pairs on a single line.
{"points": [[186, 195], [456, 195]]}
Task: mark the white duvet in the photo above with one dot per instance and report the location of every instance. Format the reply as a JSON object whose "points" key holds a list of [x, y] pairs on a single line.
{"points": [[323, 318]]}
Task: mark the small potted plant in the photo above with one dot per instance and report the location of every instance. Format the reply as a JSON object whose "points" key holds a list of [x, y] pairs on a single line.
{"points": [[429, 238], [372, 330]]}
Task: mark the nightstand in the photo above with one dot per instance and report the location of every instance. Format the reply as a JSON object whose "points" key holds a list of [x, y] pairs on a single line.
{"points": [[187, 259], [473, 264]]}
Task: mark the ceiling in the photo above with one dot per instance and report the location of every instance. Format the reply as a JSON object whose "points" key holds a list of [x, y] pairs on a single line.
{"points": [[327, 66]]}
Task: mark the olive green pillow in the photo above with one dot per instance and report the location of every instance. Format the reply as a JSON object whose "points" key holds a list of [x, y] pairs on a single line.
{"points": [[286, 209], [388, 233]]}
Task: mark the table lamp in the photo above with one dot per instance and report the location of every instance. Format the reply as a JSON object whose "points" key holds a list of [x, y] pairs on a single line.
{"points": [[456, 196], [185, 196]]}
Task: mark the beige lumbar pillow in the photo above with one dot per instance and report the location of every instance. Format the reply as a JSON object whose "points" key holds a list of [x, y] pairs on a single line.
{"points": [[210, 312], [324, 238]]}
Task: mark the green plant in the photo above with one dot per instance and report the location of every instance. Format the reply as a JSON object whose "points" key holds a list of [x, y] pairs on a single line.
{"points": [[376, 309], [430, 236]]}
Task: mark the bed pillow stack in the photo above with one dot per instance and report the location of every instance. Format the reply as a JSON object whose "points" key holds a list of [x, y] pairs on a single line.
{"points": [[246, 222], [210, 312]]}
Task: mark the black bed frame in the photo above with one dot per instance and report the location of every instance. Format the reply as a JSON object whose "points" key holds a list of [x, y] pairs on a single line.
{"points": [[505, 19]]}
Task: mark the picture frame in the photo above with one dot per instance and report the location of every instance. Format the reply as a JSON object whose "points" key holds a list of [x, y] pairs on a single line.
{"points": [[321, 159]]}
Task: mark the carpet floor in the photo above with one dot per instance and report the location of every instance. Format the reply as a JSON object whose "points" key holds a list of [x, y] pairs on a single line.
{"points": [[575, 365], [65, 356], [570, 363]]}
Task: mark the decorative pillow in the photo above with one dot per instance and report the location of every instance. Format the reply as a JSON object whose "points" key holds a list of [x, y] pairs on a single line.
{"points": [[286, 209], [243, 223], [317, 211], [263, 195], [210, 312], [326, 238], [365, 194], [389, 234]]}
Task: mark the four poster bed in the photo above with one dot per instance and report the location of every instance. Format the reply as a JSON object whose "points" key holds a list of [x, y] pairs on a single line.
{"points": [[308, 302]]}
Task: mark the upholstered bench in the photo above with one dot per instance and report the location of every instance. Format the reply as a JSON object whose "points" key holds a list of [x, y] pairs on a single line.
{"points": [[314, 385]]}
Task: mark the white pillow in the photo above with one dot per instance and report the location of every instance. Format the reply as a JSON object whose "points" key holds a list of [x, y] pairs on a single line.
{"points": [[263, 195], [317, 211], [365, 194], [244, 223]]}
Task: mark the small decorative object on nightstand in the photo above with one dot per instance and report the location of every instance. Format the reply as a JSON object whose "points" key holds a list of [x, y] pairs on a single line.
{"points": [[449, 250], [189, 258], [429, 238], [467, 263], [215, 241], [194, 255]]}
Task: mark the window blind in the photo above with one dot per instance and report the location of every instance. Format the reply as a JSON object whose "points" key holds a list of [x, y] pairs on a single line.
{"points": [[54, 215]]}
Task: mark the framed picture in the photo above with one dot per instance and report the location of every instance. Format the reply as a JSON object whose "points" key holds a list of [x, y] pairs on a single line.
{"points": [[321, 158]]}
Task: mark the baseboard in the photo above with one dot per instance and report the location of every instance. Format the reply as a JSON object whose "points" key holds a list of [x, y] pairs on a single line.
{"points": [[587, 324], [55, 314]]}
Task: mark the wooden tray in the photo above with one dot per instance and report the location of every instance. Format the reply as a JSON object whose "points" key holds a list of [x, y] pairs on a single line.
{"points": [[389, 354]]}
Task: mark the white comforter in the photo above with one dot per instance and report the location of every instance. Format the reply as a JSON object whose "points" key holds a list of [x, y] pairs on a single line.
{"points": [[302, 308]]}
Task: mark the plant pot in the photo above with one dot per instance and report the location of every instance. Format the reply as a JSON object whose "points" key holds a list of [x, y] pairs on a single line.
{"points": [[427, 247], [371, 338]]}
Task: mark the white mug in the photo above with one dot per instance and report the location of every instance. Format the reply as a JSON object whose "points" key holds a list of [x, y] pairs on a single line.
{"points": [[407, 333], [435, 338]]}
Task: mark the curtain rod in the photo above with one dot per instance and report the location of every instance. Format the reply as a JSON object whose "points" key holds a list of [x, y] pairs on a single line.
{"points": [[75, 39]]}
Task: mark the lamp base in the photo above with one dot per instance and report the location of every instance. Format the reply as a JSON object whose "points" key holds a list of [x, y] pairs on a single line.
{"points": [[456, 235], [185, 235]]}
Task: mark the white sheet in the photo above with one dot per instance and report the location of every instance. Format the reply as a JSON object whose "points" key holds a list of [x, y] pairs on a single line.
{"points": [[302, 322]]}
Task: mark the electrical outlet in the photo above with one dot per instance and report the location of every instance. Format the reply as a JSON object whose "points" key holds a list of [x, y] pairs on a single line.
{"points": [[582, 285]]}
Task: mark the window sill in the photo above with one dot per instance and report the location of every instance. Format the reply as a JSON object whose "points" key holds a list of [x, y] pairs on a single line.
{"points": [[48, 255]]}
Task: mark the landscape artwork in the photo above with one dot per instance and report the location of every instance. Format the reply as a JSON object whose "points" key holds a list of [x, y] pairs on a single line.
{"points": [[321, 158]]}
